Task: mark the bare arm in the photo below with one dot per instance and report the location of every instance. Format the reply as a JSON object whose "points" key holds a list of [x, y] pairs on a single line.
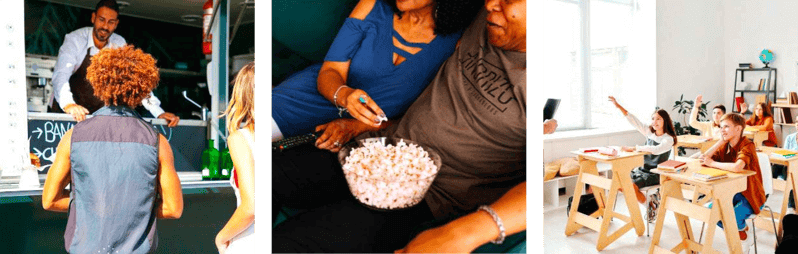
{"points": [[736, 166], [703, 126], [479, 225], [170, 205], [342, 130], [511, 209], [333, 76], [707, 160], [244, 215], [617, 105], [54, 196]]}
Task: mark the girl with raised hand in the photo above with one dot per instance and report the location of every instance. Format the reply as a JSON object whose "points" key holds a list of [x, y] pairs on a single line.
{"points": [[660, 138]]}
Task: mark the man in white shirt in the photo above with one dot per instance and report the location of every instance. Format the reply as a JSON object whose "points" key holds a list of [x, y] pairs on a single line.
{"points": [[72, 92]]}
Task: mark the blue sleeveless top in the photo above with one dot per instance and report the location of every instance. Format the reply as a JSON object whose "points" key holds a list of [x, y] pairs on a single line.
{"points": [[297, 106], [114, 158]]}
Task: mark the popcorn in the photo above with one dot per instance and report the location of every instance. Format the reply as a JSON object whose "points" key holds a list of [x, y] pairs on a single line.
{"points": [[388, 176]]}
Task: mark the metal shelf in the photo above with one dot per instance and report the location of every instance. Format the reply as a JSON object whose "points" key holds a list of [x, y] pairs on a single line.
{"points": [[754, 91], [770, 83]]}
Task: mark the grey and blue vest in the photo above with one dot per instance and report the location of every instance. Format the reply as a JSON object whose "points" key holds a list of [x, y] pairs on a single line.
{"points": [[114, 158]]}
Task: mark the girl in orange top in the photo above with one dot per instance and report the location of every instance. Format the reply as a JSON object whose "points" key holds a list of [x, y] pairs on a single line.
{"points": [[762, 120]]}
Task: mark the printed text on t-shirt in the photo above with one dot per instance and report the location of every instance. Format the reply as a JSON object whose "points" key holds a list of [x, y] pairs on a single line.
{"points": [[487, 81]]}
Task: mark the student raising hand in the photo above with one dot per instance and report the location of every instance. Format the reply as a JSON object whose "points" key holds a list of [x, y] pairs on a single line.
{"points": [[615, 102]]}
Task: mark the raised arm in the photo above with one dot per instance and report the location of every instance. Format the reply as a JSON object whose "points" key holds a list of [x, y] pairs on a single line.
{"points": [[479, 225], [617, 105], [694, 115]]}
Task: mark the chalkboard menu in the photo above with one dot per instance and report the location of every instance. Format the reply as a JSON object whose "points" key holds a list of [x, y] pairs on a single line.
{"points": [[187, 140]]}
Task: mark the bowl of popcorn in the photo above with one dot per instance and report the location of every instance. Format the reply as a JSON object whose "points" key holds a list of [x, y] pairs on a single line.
{"points": [[388, 174]]}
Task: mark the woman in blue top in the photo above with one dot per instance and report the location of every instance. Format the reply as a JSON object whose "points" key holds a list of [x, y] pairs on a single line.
{"points": [[382, 58]]}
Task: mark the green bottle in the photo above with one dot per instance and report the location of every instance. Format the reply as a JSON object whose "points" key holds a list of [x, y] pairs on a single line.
{"points": [[226, 165], [210, 162]]}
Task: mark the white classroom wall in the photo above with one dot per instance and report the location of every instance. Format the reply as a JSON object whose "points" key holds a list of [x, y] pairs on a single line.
{"points": [[749, 27], [699, 46], [690, 57], [689, 61]]}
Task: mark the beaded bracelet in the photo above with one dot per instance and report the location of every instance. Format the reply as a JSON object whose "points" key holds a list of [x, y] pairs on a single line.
{"points": [[341, 110], [500, 239]]}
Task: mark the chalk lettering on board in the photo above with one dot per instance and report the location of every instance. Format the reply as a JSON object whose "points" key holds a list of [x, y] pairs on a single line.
{"points": [[39, 130], [46, 154], [54, 131], [163, 131]]}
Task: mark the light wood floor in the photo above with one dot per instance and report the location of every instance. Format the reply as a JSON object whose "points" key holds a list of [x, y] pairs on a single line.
{"points": [[584, 241]]}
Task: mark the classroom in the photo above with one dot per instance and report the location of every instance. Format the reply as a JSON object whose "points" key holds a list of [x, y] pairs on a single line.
{"points": [[666, 119]]}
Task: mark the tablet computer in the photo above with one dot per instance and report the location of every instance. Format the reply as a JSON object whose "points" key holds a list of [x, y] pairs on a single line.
{"points": [[550, 108]]}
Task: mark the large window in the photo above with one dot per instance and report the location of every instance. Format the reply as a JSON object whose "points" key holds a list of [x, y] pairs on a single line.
{"points": [[597, 48]]}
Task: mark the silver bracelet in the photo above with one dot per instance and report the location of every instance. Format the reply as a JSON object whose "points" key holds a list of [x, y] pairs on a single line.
{"points": [[500, 239], [341, 110]]}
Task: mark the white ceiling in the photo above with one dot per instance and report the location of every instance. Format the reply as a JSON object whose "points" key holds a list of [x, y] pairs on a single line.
{"points": [[168, 10]]}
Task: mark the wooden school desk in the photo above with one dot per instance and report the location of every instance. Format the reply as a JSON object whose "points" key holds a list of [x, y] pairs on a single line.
{"points": [[622, 166], [756, 135], [720, 192], [693, 141], [781, 185]]}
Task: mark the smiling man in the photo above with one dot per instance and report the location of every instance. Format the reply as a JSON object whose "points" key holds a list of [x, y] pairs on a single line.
{"points": [[72, 92], [473, 113]]}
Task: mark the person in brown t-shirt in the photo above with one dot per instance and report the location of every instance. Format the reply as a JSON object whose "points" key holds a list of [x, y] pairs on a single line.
{"points": [[473, 113], [735, 153]]}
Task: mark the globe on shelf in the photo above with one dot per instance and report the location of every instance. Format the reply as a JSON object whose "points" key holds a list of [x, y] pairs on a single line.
{"points": [[766, 57]]}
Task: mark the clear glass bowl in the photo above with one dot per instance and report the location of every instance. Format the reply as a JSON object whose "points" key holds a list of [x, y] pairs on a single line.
{"points": [[386, 194]]}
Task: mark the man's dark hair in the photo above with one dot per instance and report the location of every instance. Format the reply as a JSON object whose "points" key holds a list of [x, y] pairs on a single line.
{"points": [[108, 4], [721, 107], [450, 16]]}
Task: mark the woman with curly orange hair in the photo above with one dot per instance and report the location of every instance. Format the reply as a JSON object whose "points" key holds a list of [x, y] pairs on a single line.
{"points": [[121, 170]]}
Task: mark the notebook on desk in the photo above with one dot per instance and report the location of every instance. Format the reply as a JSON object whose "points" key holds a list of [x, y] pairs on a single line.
{"points": [[672, 166], [784, 154], [750, 129], [709, 174]]}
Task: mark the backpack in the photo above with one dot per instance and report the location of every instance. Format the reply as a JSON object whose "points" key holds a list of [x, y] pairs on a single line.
{"points": [[587, 204]]}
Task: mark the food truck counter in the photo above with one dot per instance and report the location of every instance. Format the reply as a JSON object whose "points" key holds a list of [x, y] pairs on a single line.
{"points": [[188, 139], [191, 182], [207, 204]]}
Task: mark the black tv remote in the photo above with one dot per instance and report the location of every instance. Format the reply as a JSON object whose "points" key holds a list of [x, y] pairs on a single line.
{"points": [[288, 143]]}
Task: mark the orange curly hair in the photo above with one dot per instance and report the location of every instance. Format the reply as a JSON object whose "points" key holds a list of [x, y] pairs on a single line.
{"points": [[122, 76]]}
